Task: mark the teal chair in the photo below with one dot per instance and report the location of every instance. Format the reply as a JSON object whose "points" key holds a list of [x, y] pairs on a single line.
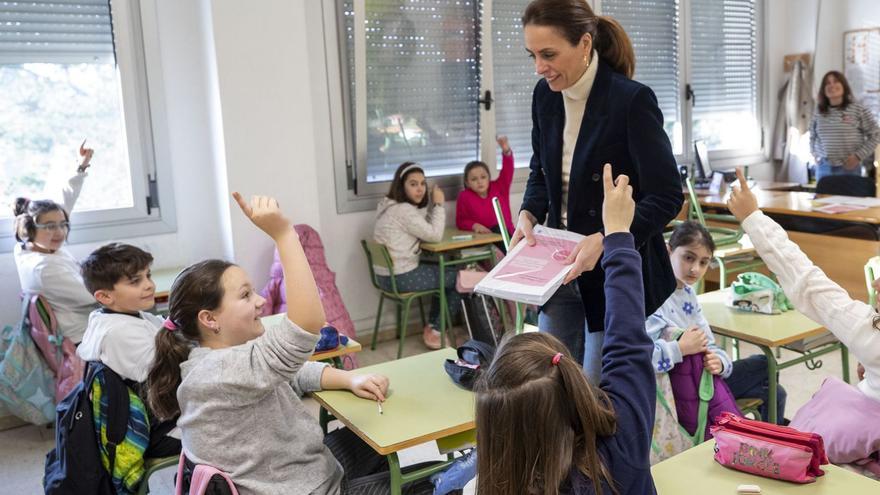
{"points": [[153, 465], [505, 237], [377, 255]]}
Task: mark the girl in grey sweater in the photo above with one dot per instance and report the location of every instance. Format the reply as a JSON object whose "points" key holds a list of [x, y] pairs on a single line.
{"points": [[237, 385]]}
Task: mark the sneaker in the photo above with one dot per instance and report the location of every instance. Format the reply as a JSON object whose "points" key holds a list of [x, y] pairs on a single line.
{"points": [[431, 337]]}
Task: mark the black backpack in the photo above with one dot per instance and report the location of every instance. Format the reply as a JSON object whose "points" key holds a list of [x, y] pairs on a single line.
{"points": [[74, 465]]}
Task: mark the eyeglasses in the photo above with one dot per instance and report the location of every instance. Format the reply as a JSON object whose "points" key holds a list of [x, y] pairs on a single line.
{"points": [[53, 226]]}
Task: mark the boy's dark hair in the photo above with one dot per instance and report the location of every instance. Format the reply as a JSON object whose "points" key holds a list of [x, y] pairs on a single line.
{"points": [[111, 263], [397, 191], [472, 165], [691, 232]]}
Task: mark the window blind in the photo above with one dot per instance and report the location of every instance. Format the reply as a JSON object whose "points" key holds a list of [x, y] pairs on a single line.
{"points": [[55, 31]]}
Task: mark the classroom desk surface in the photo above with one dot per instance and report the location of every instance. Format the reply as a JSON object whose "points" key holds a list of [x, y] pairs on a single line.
{"points": [[756, 328], [796, 204], [423, 404], [349, 348], [163, 279], [695, 471], [450, 244]]}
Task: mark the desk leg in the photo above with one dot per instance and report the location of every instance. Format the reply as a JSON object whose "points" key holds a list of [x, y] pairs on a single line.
{"points": [[772, 372], [443, 309], [395, 472], [844, 360]]}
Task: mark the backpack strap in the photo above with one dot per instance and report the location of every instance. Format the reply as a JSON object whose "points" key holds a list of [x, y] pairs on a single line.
{"points": [[202, 476], [117, 412]]}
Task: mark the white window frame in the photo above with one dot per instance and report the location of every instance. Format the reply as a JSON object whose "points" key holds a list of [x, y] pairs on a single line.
{"points": [[725, 157], [142, 97]]}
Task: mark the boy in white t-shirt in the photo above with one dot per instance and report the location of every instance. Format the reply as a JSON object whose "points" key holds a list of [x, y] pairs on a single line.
{"points": [[121, 334]]}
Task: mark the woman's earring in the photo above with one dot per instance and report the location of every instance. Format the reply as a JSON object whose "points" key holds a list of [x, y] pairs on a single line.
{"points": [[217, 330]]}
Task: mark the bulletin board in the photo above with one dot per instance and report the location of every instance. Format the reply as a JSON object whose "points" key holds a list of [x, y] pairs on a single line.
{"points": [[861, 66]]}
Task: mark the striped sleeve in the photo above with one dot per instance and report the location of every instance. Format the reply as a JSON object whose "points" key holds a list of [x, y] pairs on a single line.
{"points": [[868, 126]]}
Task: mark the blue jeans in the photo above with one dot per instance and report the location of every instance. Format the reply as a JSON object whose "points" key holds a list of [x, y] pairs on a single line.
{"points": [[563, 317], [425, 277], [824, 169], [749, 379]]}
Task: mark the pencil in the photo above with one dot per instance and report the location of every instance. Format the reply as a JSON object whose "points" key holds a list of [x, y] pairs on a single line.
{"points": [[378, 403]]}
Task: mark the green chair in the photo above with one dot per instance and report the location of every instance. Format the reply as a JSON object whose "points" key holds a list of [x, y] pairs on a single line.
{"points": [[377, 255], [872, 271], [750, 405], [153, 465], [505, 237]]}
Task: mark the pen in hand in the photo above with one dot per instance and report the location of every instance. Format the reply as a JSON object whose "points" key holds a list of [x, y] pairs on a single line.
{"points": [[379, 403]]}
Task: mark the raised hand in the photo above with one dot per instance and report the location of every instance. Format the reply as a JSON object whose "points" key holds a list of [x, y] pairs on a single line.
{"points": [[86, 155], [504, 143], [265, 213], [742, 201], [618, 208]]}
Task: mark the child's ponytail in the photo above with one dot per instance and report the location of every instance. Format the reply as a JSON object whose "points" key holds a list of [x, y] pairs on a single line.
{"points": [[197, 288]]}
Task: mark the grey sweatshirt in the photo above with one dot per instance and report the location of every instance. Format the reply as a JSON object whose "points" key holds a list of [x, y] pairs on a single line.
{"points": [[241, 413], [401, 227]]}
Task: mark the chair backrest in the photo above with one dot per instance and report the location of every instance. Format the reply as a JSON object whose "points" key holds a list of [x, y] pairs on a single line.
{"points": [[847, 185], [201, 477], [872, 271], [499, 216], [377, 255], [721, 235]]}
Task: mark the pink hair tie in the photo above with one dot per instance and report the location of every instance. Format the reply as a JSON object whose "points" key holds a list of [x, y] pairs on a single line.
{"points": [[169, 325], [556, 359]]}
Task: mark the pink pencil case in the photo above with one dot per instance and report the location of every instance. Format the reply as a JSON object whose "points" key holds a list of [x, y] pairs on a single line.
{"points": [[768, 450]]}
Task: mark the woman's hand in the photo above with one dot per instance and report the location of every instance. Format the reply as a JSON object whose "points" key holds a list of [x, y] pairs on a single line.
{"points": [[584, 257], [480, 229], [373, 387], [524, 225], [742, 201], [265, 213], [504, 143], [693, 341], [86, 155], [437, 196], [852, 161], [618, 207], [712, 362]]}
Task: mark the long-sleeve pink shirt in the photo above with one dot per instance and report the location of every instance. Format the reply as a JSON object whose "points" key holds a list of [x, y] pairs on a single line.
{"points": [[471, 208]]}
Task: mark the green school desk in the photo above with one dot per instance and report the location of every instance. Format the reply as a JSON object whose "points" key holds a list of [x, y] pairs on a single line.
{"points": [[768, 332], [695, 471], [447, 246], [334, 355], [423, 405]]}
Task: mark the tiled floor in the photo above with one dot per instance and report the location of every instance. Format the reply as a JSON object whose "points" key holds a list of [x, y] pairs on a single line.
{"points": [[23, 450]]}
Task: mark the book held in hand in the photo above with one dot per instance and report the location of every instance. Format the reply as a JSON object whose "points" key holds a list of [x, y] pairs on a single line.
{"points": [[532, 274]]}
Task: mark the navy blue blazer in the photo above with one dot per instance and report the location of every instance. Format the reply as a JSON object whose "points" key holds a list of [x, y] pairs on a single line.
{"points": [[622, 126]]}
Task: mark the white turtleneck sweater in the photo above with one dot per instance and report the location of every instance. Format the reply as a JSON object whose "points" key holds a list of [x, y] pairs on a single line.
{"points": [[575, 99]]}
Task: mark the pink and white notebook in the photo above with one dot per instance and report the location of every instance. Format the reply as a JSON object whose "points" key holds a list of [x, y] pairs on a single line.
{"points": [[531, 274]]}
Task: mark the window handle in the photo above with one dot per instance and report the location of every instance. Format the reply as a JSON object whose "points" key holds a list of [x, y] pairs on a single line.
{"points": [[486, 100], [690, 95]]}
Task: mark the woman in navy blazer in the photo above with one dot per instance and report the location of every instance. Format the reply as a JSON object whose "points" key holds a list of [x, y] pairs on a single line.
{"points": [[586, 111]]}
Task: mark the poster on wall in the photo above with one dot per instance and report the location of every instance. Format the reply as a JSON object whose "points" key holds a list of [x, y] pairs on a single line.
{"points": [[861, 66]]}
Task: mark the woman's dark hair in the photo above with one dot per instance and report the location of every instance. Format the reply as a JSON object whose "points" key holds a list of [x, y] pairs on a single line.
{"points": [[521, 455], [26, 214], [691, 232], [574, 18], [196, 288], [397, 192], [472, 165], [824, 103]]}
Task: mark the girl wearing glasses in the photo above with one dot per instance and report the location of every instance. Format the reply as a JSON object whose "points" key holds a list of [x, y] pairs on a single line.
{"points": [[44, 266]]}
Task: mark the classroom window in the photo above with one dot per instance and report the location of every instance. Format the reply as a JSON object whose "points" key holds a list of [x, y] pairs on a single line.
{"points": [[71, 71], [701, 59]]}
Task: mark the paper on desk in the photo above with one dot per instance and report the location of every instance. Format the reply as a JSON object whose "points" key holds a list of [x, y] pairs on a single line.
{"points": [[835, 208], [531, 274], [850, 200]]}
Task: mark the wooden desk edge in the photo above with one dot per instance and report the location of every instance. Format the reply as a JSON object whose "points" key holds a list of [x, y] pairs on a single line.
{"points": [[339, 351], [752, 339], [439, 247], [397, 447]]}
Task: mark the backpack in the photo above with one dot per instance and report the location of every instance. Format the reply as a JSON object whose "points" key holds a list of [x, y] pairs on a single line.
{"points": [[58, 351], [26, 387], [473, 357], [74, 466]]}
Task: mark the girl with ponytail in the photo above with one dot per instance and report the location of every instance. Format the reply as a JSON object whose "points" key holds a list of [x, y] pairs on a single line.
{"points": [[586, 112], [542, 428], [237, 385]]}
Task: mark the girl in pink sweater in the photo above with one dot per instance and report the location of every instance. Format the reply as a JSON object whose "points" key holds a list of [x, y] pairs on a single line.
{"points": [[473, 210]]}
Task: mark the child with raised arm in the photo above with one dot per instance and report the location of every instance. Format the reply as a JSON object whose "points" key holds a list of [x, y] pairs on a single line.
{"points": [[589, 439], [474, 210], [237, 385]]}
